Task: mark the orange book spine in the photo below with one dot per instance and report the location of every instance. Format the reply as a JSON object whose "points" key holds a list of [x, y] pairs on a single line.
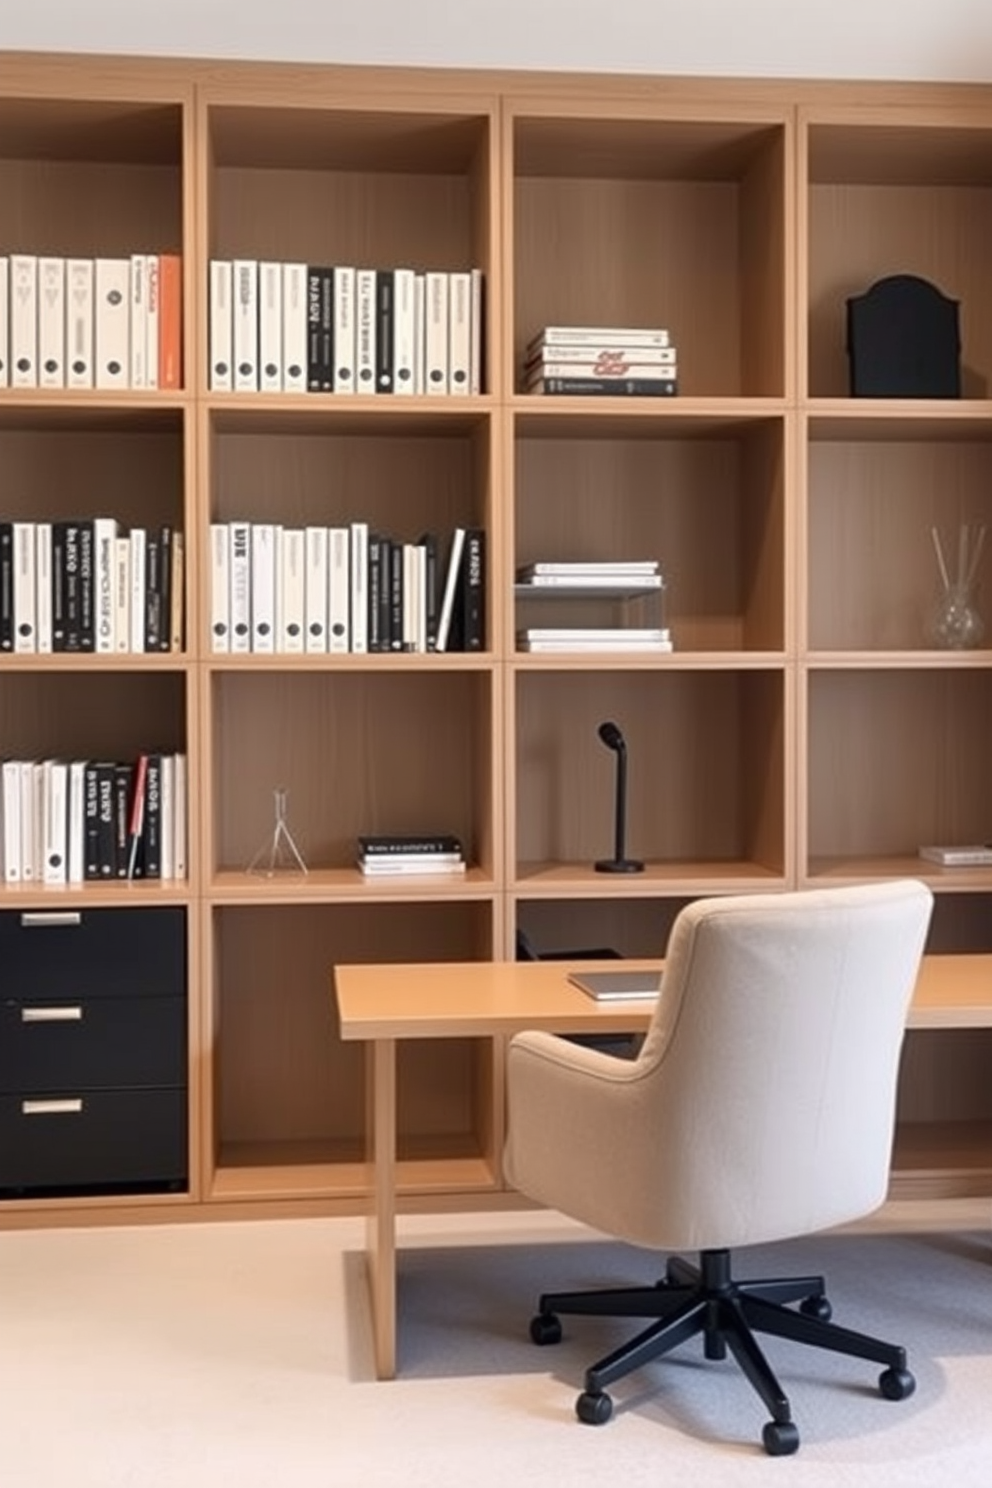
{"points": [[170, 338]]}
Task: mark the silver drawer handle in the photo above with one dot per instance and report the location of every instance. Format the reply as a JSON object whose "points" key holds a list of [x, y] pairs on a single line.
{"points": [[51, 1015], [70, 1107], [35, 919]]}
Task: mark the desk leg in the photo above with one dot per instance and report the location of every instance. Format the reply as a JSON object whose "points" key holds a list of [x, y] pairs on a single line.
{"points": [[381, 1223]]}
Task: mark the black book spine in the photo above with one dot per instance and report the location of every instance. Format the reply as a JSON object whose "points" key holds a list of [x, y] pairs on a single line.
{"points": [[152, 829], [71, 600], [91, 821], [106, 823], [6, 586], [431, 599], [385, 594], [611, 387], [396, 596], [123, 780], [87, 588], [165, 588], [58, 586], [384, 845], [327, 330], [153, 591], [474, 591], [314, 380], [384, 292], [375, 576]]}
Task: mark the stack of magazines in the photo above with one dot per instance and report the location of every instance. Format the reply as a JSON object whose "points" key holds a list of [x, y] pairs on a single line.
{"points": [[398, 855]]}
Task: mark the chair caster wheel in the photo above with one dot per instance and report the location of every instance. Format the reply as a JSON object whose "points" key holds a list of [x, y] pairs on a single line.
{"points": [[545, 1328], [896, 1384], [817, 1307], [780, 1438], [594, 1408]]}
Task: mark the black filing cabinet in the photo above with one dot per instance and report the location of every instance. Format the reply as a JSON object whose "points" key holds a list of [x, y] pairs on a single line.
{"points": [[93, 1051]]}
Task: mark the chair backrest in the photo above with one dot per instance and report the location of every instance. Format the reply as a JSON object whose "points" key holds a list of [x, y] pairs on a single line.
{"points": [[766, 1085]]}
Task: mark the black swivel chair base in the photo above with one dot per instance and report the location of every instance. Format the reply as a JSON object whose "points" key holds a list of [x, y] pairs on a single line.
{"points": [[705, 1299]]}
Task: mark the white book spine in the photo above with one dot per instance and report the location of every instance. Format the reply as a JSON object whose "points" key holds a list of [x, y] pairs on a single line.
{"points": [[139, 321], [359, 586], [365, 346], [29, 821], [122, 593], [240, 582], [56, 820], [79, 273], [180, 817], [153, 279], [43, 584], [419, 314], [294, 327], [475, 368], [112, 309], [338, 589], [263, 586], [601, 335], [220, 587], [23, 320], [316, 589], [450, 587], [139, 545], [436, 333], [404, 328], [292, 588], [25, 588], [12, 821], [167, 816], [51, 322], [270, 373], [75, 822], [245, 323], [344, 329], [104, 566], [459, 331], [4, 321], [221, 328]]}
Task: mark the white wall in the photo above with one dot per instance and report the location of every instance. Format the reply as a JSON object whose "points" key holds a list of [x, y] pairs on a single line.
{"points": [[949, 39]]}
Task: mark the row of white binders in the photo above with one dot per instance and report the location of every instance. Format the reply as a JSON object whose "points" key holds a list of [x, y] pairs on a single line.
{"points": [[293, 328], [89, 585], [343, 589], [91, 322], [81, 821]]}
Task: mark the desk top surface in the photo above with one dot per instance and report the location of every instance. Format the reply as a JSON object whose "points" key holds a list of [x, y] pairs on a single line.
{"points": [[478, 998]]}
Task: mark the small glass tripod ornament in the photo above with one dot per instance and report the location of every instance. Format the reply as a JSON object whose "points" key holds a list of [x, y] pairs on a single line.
{"points": [[278, 853]]}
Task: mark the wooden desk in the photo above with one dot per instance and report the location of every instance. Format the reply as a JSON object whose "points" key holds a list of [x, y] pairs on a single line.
{"points": [[381, 1004]]}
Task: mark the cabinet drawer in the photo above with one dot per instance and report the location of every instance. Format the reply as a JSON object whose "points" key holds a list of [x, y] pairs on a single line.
{"points": [[127, 1140], [98, 1041], [65, 955]]}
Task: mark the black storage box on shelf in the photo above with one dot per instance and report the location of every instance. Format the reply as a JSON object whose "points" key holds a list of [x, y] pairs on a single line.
{"points": [[903, 340], [93, 1052]]}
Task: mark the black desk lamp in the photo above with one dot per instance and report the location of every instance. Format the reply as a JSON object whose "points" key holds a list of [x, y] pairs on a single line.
{"points": [[611, 736]]}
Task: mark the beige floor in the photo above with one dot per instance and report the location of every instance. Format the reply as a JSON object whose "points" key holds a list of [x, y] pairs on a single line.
{"points": [[240, 1354]]}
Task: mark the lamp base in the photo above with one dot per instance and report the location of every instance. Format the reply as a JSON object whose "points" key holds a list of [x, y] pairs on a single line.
{"points": [[619, 865]]}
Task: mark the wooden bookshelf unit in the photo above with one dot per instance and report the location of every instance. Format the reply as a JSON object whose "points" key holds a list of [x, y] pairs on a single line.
{"points": [[803, 731]]}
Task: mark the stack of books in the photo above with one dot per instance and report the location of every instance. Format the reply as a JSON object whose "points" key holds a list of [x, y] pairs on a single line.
{"points": [[589, 638], [400, 855], [615, 360], [618, 577]]}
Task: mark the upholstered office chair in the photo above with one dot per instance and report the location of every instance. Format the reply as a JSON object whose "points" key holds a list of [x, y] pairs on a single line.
{"points": [[760, 1107]]}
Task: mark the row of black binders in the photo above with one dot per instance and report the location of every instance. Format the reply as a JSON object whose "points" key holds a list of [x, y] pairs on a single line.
{"points": [[276, 589], [618, 361], [76, 821], [108, 323], [399, 855], [294, 328]]}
